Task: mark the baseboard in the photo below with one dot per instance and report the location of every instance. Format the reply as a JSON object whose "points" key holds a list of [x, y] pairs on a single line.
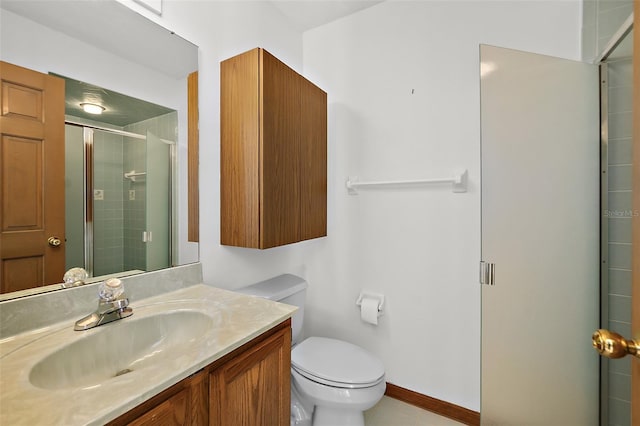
{"points": [[442, 408]]}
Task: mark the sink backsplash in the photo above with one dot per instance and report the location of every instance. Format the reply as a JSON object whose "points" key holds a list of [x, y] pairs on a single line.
{"points": [[41, 310]]}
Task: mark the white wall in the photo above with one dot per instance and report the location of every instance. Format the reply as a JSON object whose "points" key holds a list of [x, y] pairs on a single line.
{"points": [[221, 30], [421, 248], [29, 44], [403, 85]]}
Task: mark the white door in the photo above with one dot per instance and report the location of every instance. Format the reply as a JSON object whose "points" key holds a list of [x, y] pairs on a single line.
{"points": [[540, 227]]}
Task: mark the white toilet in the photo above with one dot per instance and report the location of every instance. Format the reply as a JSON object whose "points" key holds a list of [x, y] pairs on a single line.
{"points": [[333, 382]]}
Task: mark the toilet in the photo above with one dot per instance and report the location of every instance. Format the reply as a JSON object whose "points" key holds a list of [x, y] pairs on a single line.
{"points": [[332, 382]]}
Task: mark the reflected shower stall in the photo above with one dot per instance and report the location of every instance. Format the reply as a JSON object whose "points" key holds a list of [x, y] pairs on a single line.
{"points": [[118, 186]]}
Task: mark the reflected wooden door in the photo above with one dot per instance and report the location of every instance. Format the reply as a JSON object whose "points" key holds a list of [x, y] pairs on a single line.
{"points": [[32, 245]]}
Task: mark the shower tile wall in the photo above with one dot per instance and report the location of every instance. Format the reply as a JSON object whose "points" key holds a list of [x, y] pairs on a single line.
{"points": [[108, 213], [165, 127], [601, 19], [619, 220], [134, 194]]}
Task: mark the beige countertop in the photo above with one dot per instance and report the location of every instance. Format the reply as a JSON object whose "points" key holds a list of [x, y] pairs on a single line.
{"points": [[236, 318]]}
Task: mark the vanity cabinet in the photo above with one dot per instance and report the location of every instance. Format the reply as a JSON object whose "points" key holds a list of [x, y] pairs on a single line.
{"points": [[252, 387], [249, 386], [273, 153], [185, 403]]}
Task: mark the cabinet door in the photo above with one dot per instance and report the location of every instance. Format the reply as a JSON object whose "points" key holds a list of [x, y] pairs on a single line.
{"points": [[171, 412], [313, 162], [280, 153], [183, 404], [253, 388]]}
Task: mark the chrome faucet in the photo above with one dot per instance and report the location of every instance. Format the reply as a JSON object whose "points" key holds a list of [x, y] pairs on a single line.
{"points": [[112, 306]]}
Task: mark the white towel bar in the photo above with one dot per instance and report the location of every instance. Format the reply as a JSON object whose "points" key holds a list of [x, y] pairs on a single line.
{"points": [[458, 181]]}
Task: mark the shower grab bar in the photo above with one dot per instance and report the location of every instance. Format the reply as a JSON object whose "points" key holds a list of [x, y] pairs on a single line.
{"points": [[458, 181], [133, 174]]}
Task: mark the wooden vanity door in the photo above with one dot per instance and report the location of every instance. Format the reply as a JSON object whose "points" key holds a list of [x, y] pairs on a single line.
{"points": [[32, 179], [252, 388], [183, 404]]}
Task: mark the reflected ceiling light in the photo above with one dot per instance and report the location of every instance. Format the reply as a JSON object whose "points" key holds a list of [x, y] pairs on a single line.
{"points": [[92, 108]]}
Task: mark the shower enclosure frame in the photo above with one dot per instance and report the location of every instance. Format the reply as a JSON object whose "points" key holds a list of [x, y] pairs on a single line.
{"points": [[601, 61]]}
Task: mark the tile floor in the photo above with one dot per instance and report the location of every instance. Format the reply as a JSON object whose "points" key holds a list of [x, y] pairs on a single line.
{"points": [[391, 412]]}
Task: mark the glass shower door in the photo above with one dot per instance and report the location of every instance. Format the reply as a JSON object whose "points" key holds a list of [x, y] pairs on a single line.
{"points": [[74, 197], [118, 198], [148, 204], [158, 203]]}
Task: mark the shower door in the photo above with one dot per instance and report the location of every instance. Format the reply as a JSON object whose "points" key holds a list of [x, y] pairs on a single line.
{"points": [[540, 221], [147, 204], [118, 200], [158, 203]]}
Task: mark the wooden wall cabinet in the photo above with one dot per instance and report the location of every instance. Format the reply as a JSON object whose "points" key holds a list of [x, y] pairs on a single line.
{"points": [[273, 153], [249, 386]]}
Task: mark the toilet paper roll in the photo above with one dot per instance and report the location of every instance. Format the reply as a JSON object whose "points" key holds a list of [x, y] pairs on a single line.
{"points": [[369, 310]]}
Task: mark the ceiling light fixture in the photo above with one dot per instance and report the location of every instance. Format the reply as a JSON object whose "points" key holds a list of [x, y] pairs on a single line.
{"points": [[92, 108]]}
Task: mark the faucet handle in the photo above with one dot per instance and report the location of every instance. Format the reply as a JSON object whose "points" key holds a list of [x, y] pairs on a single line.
{"points": [[111, 290], [74, 277]]}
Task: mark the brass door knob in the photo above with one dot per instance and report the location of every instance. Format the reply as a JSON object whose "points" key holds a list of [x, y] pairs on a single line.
{"points": [[54, 241], [613, 345]]}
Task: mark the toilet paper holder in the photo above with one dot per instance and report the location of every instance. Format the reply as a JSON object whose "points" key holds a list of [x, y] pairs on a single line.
{"points": [[378, 297]]}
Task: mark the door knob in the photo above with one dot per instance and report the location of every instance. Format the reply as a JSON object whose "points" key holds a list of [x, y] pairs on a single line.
{"points": [[613, 345], [54, 241]]}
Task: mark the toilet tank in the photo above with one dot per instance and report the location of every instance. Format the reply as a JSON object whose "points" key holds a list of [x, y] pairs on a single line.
{"points": [[286, 288]]}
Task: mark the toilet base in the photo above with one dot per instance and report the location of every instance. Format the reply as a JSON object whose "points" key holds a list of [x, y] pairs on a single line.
{"points": [[301, 409], [330, 416]]}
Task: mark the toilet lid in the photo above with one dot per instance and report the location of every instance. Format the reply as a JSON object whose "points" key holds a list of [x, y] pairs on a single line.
{"points": [[336, 361]]}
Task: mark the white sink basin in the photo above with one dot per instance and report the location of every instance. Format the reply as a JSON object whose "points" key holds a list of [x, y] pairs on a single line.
{"points": [[121, 347]]}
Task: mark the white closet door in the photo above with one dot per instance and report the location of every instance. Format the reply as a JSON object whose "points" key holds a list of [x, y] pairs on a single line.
{"points": [[540, 227]]}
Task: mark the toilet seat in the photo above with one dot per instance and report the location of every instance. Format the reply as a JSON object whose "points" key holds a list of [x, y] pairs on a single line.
{"points": [[336, 363]]}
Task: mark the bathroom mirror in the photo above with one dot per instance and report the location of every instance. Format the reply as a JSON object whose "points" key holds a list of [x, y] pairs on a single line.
{"points": [[106, 45]]}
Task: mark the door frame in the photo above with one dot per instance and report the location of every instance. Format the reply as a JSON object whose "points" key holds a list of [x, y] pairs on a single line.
{"points": [[602, 62]]}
